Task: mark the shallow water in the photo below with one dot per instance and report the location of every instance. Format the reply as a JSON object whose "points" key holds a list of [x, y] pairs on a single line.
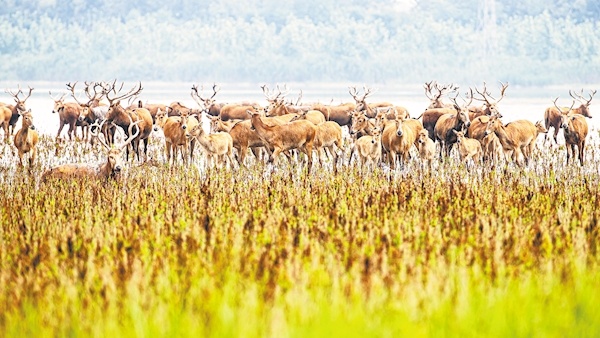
{"points": [[520, 102]]}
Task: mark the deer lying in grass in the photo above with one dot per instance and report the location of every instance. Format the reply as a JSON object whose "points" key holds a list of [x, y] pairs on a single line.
{"points": [[294, 135], [175, 129], [468, 148], [575, 129], [107, 170], [218, 146], [426, 147], [368, 149], [26, 138], [517, 136]]}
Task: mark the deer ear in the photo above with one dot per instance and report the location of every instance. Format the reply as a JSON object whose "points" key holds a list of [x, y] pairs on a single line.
{"points": [[572, 118]]}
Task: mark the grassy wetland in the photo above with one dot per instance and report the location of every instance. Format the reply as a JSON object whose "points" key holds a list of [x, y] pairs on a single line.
{"points": [[190, 251]]}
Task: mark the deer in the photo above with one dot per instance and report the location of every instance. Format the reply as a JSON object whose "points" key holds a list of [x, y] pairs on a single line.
{"points": [[491, 104], [207, 105], [468, 148], [314, 116], [361, 104], [553, 115], [26, 138], [5, 116], [575, 129], [368, 148], [294, 135], [448, 122], [436, 99], [277, 104], [217, 145], [426, 147], [341, 114], [122, 118], [175, 129], [109, 169], [69, 114], [517, 136], [361, 125], [397, 139], [327, 139], [92, 109], [19, 107]]}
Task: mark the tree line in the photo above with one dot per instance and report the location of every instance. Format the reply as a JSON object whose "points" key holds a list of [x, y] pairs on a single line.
{"points": [[529, 43]]}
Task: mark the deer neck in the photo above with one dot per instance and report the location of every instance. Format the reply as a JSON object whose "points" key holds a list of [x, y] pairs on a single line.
{"points": [[260, 126], [105, 171], [504, 137]]}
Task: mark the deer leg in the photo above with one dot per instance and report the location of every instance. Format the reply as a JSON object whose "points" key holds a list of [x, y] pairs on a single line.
{"points": [[581, 151], [32, 157], [60, 128]]}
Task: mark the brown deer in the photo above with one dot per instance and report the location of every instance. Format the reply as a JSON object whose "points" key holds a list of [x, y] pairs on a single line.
{"points": [[448, 122], [218, 146], [341, 114], [397, 139], [208, 105], [175, 129], [553, 115], [294, 135], [26, 138], [517, 136], [426, 147], [436, 99], [16, 109], [105, 171], [69, 114], [491, 104], [123, 118], [575, 129], [368, 149], [92, 109], [468, 148], [361, 104]]}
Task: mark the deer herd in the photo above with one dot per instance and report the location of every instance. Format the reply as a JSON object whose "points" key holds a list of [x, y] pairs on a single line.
{"points": [[377, 134]]}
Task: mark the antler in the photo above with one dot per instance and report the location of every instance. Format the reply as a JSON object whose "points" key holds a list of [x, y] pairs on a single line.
{"points": [[96, 134], [20, 91], [580, 97], [131, 137], [299, 98], [71, 87], [560, 109], [61, 98], [428, 89], [132, 92], [96, 95]]}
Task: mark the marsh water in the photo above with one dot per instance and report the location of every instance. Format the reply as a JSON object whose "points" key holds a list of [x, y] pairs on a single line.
{"points": [[520, 102]]}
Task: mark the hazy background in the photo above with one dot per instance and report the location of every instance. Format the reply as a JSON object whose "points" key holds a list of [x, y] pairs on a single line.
{"points": [[524, 42]]}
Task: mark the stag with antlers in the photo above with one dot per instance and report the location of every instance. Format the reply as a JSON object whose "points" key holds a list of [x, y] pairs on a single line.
{"points": [[107, 170], [9, 114], [553, 115], [207, 104], [123, 118], [436, 99]]}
